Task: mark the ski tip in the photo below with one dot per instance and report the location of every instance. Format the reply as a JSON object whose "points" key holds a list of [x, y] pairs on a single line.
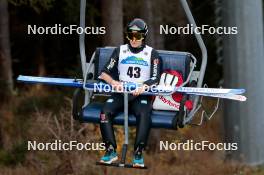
{"points": [[237, 91], [242, 98], [20, 77], [243, 90]]}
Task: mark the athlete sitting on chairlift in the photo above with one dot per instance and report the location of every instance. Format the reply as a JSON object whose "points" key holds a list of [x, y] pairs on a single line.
{"points": [[133, 62]]}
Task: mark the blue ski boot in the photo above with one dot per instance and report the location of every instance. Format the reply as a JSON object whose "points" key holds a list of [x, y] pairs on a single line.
{"points": [[138, 160], [109, 157]]}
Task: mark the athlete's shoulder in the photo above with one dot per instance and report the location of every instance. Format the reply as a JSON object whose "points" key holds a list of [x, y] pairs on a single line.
{"points": [[148, 47], [123, 47], [154, 53]]}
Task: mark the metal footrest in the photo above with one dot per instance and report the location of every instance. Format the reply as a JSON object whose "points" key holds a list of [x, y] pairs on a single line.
{"points": [[120, 165]]}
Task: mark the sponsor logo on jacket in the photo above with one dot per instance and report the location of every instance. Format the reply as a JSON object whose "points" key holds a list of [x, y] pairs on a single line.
{"points": [[134, 60]]}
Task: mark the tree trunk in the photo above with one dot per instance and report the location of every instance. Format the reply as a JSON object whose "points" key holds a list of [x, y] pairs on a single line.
{"points": [[153, 18], [183, 41], [243, 67], [6, 81], [112, 18]]}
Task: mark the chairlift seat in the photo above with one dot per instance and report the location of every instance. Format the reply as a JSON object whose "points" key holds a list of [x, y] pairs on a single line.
{"points": [[180, 61]]}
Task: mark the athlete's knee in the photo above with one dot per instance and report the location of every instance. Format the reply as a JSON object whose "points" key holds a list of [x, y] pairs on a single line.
{"points": [[144, 109], [107, 110], [144, 112], [145, 115]]}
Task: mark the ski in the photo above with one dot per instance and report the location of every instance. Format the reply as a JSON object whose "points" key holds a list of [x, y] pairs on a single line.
{"points": [[167, 90], [78, 83], [224, 96], [158, 92], [102, 87], [202, 90]]}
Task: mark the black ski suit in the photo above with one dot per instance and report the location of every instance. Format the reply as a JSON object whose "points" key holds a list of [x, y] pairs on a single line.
{"points": [[140, 106]]}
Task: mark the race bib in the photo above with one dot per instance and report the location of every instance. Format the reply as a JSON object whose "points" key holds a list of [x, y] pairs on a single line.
{"points": [[134, 67]]}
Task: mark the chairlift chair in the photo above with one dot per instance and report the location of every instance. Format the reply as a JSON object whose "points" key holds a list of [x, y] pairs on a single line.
{"points": [[184, 62], [88, 111]]}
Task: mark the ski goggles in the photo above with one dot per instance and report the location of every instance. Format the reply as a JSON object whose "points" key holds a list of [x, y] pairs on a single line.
{"points": [[135, 36]]}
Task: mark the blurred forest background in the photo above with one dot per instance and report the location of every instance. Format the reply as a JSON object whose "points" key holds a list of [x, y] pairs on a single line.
{"points": [[44, 113]]}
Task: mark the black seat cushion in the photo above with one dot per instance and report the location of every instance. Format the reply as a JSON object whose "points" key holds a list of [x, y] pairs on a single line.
{"points": [[160, 119]]}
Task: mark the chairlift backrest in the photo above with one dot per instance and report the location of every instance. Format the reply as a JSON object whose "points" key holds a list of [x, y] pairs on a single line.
{"points": [[180, 61]]}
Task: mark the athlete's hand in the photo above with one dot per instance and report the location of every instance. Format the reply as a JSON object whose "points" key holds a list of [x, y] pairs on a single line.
{"points": [[117, 85], [140, 90]]}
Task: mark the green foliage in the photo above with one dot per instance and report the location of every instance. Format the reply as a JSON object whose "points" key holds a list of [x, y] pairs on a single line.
{"points": [[37, 5], [14, 156], [71, 11]]}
